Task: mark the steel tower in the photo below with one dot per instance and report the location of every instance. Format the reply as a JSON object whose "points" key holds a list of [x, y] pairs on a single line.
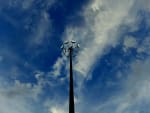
{"points": [[68, 48]]}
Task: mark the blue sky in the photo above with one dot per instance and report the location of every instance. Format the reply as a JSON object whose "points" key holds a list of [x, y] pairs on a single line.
{"points": [[111, 68]]}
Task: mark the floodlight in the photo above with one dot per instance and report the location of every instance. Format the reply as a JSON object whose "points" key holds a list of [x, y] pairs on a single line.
{"points": [[66, 42], [73, 41], [68, 45]]}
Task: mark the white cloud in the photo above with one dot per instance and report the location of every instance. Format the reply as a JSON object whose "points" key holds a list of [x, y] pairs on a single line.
{"points": [[13, 98], [139, 79], [18, 89], [57, 67], [130, 42], [15, 105], [56, 110], [107, 19], [101, 29], [102, 20], [54, 106], [21, 96], [24, 90]]}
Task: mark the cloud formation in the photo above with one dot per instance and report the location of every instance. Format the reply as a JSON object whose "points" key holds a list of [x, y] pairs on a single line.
{"points": [[105, 25], [135, 93], [101, 30]]}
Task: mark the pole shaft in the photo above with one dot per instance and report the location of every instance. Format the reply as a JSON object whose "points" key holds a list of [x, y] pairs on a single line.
{"points": [[71, 92]]}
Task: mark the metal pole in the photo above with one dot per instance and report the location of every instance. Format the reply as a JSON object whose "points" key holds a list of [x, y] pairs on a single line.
{"points": [[71, 92], [68, 48]]}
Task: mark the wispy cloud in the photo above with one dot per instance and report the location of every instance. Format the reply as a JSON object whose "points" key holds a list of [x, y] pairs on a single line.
{"points": [[15, 105], [37, 21], [57, 67], [135, 93], [101, 29], [13, 98], [42, 30], [108, 16]]}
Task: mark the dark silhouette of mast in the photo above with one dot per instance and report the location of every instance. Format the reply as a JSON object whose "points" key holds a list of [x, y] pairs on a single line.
{"points": [[71, 93], [68, 50]]}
